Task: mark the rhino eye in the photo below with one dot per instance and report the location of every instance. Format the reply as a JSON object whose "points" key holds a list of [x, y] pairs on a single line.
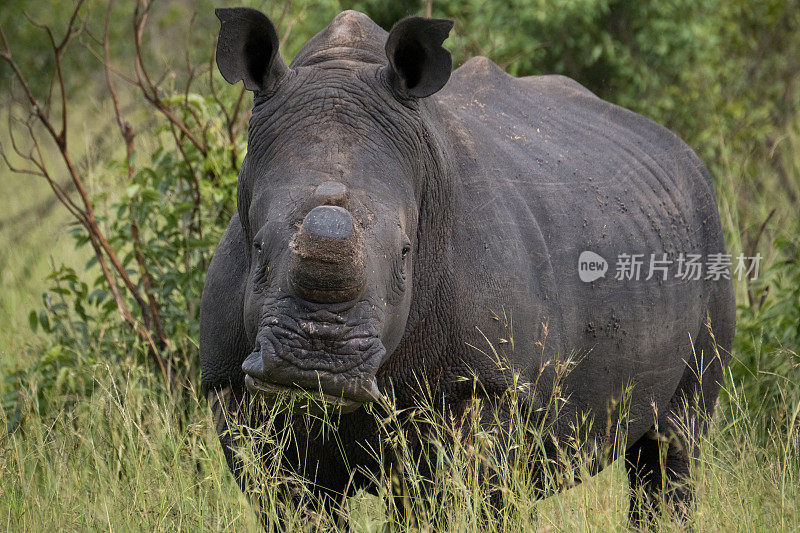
{"points": [[405, 251], [257, 245]]}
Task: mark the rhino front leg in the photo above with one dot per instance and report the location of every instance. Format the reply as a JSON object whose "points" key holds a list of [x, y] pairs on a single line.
{"points": [[229, 413], [239, 422]]}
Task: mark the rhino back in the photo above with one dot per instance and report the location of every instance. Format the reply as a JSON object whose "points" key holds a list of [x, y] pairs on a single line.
{"points": [[546, 170]]}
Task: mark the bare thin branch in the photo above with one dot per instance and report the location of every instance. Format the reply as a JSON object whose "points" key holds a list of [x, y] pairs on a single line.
{"points": [[124, 127], [99, 57], [14, 169]]}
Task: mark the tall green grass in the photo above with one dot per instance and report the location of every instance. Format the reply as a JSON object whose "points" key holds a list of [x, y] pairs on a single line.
{"points": [[127, 458], [123, 459]]}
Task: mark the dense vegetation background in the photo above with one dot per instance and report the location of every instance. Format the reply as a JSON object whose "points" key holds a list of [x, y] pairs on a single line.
{"points": [[99, 292]]}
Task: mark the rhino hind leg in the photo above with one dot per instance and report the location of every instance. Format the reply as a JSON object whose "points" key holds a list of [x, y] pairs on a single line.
{"points": [[658, 473], [659, 463]]}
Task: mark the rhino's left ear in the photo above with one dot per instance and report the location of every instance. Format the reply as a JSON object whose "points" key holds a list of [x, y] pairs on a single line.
{"points": [[247, 48], [418, 65]]}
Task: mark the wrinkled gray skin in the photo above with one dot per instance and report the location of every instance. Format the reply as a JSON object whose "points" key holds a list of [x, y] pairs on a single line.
{"points": [[388, 210]]}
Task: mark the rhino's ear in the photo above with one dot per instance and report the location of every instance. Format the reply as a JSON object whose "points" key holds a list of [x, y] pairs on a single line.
{"points": [[247, 48], [418, 65]]}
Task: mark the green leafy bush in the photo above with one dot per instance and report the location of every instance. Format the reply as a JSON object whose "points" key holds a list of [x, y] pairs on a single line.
{"points": [[181, 201], [767, 347]]}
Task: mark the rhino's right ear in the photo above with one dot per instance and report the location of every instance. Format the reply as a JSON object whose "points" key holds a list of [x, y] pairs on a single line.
{"points": [[247, 48]]}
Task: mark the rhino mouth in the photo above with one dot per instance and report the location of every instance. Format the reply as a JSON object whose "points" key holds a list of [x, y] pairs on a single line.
{"points": [[332, 354], [314, 403]]}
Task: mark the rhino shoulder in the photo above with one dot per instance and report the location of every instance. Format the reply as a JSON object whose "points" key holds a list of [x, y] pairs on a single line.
{"points": [[480, 66], [556, 83], [480, 74]]}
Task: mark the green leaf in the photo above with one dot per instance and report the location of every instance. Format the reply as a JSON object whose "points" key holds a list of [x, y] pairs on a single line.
{"points": [[44, 321]]}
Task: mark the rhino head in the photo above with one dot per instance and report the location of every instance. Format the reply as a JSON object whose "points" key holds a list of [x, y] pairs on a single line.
{"points": [[339, 160]]}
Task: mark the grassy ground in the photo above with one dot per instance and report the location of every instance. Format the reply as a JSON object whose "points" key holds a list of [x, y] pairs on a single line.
{"points": [[122, 460]]}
